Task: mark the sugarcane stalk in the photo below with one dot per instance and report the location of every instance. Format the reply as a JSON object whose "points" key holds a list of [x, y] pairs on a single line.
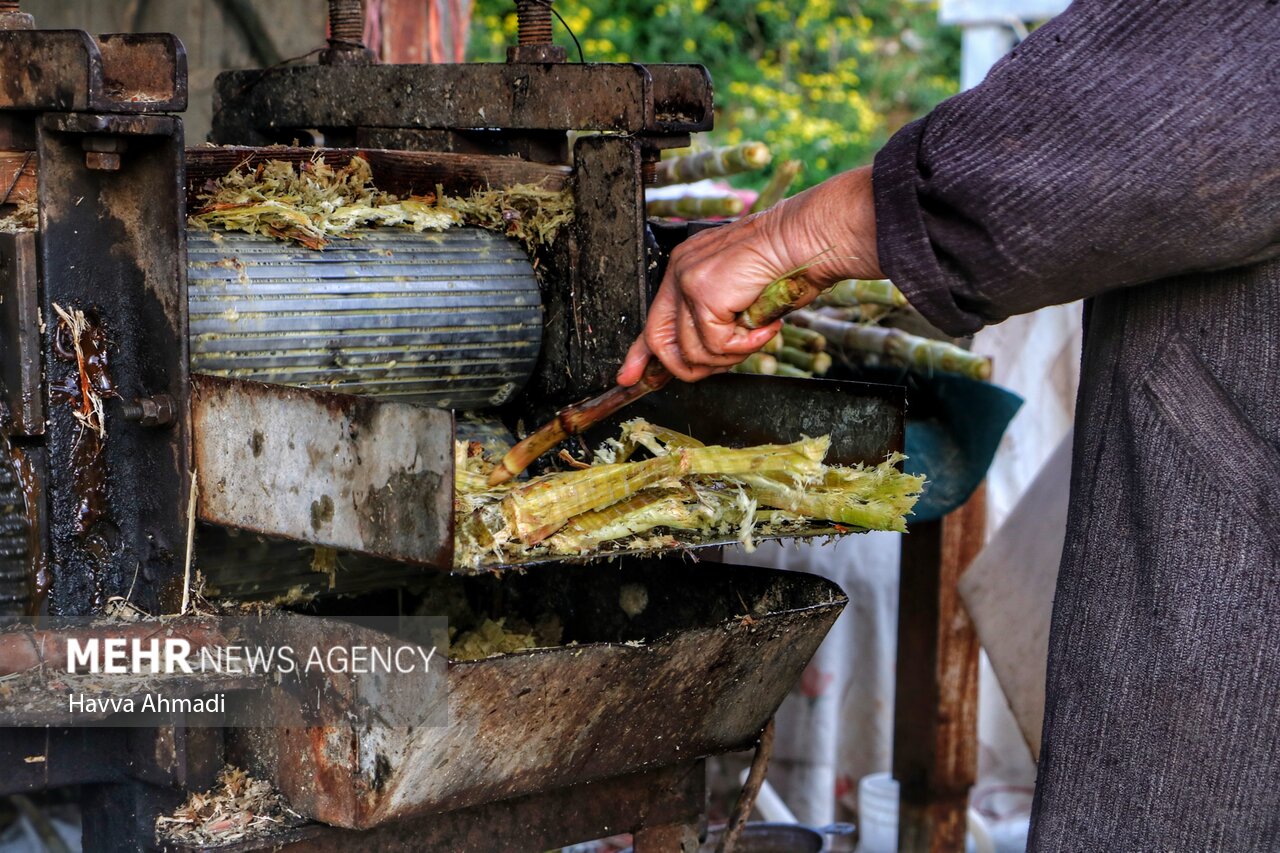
{"points": [[576, 419], [917, 353], [803, 339], [776, 190], [773, 344], [696, 207], [759, 363], [640, 514], [779, 297], [814, 362], [854, 292], [849, 314], [875, 498], [790, 370], [713, 163], [535, 510]]}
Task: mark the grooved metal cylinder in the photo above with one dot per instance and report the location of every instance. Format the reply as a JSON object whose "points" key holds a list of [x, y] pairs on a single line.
{"points": [[451, 319]]}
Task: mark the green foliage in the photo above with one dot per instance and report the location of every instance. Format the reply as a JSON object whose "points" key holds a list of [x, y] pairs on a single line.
{"points": [[822, 82]]}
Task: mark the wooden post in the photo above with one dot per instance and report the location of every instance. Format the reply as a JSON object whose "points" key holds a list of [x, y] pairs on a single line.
{"points": [[936, 703]]}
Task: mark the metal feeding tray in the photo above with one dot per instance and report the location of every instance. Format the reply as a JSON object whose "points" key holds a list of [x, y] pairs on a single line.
{"points": [[666, 664], [375, 477]]}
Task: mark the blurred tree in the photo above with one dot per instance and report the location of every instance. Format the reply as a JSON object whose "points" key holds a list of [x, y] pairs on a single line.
{"points": [[820, 81]]}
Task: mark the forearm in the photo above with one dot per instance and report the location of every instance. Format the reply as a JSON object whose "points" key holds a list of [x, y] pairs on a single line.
{"points": [[1121, 144]]}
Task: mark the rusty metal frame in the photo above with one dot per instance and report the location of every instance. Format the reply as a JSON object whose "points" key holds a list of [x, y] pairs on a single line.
{"points": [[69, 70], [259, 107], [113, 246], [20, 364]]}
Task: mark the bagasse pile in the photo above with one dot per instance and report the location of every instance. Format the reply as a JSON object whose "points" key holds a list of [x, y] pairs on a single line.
{"points": [[685, 491], [314, 203], [238, 808]]}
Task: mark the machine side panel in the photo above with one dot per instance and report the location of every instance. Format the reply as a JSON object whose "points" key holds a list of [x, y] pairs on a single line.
{"points": [[336, 470]]}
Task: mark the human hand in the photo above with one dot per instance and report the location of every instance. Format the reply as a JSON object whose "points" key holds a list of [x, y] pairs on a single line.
{"points": [[712, 277]]}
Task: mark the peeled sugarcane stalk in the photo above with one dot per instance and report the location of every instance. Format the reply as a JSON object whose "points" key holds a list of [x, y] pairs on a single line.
{"points": [[853, 293], [696, 207], [685, 486], [814, 362], [803, 339], [714, 163], [920, 354], [773, 345], [776, 190], [639, 514], [779, 297], [537, 509], [792, 371], [759, 363]]}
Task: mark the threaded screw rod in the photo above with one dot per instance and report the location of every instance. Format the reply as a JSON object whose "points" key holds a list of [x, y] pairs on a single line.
{"points": [[346, 22], [533, 22]]}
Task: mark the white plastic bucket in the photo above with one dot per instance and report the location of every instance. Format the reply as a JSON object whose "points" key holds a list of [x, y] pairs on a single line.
{"points": [[878, 818]]}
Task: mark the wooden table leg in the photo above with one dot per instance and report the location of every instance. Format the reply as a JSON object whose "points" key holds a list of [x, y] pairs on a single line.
{"points": [[935, 737]]}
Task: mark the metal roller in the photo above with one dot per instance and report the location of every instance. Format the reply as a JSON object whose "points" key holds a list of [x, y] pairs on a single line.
{"points": [[451, 319]]}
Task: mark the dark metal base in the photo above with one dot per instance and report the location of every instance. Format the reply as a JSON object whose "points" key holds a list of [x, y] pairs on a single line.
{"points": [[663, 807]]}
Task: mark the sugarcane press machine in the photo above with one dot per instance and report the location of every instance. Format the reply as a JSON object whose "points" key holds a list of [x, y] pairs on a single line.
{"points": [[312, 399]]}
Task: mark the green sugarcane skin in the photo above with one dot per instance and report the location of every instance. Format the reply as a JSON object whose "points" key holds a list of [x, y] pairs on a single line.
{"points": [[814, 362], [790, 370], [917, 353], [803, 339], [714, 163], [775, 301], [854, 292], [759, 363], [696, 207]]}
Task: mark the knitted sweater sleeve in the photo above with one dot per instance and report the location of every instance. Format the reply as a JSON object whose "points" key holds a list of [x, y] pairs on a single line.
{"points": [[1122, 143]]}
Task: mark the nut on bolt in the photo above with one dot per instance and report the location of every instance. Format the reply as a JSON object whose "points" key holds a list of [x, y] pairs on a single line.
{"points": [[155, 411]]}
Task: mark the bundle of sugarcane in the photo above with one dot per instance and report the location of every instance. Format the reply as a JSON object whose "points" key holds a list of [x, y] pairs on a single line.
{"points": [[313, 203], [684, 493], [713, 163], [916, 353], [696, 207], [793, 352]]}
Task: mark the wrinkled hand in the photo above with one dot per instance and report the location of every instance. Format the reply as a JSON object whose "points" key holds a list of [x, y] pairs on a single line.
{"points": [[717, 274]]}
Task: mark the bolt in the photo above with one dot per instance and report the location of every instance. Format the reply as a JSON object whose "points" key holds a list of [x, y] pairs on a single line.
{"points": [[13, 18], [156, 411], [649, 172], [346, 35], [533, 28], [533, 21], [346, 22]]}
